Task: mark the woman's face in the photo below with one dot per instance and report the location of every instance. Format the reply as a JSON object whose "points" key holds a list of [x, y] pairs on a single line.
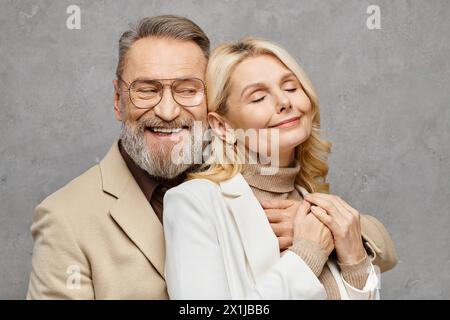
{"points": [[266, 95]]}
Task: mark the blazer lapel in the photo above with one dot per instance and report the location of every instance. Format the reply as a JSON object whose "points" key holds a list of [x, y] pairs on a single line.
{"points": [[134, 215], [131, 211], [259, 242]]}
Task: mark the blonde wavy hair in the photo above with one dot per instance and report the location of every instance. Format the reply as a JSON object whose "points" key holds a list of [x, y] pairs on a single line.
{"points": [[312, 154]]}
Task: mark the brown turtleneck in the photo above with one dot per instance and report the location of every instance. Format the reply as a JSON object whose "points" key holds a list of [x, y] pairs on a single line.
{"points": [[279, 184]]}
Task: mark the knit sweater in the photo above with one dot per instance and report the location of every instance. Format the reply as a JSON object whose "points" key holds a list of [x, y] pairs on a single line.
{"points": [[279, 183]]}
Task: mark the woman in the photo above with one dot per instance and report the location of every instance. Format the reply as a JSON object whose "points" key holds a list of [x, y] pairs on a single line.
{"points": [[219, 242]]}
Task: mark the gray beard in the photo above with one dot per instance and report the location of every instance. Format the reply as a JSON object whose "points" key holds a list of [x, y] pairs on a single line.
{"points": [[158, 162]]}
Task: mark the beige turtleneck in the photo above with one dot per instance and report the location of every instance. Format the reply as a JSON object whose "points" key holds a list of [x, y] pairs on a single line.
{"points": [[279, 184]]}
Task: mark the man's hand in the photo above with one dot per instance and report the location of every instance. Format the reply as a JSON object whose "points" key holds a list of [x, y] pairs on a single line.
{"points": [[281, 215]]}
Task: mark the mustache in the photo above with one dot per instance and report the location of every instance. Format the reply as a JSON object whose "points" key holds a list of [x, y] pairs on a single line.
{"points": [[185, 122]]}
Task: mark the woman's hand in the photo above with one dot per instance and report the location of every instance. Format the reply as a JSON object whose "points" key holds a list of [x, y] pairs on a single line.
{"points": [[344, 223], [291, 219], [307, 226], [281, 215]]}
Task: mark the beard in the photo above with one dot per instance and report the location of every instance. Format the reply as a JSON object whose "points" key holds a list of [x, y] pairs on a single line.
{"points": [[158, 162]]}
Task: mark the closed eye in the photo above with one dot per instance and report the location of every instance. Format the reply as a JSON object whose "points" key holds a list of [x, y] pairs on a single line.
{"points": [[186, 91], [291, 90], [147, 90], [258, 100]]}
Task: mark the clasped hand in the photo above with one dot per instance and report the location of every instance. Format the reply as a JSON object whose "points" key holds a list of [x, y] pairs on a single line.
{"points": [[322, 218]]}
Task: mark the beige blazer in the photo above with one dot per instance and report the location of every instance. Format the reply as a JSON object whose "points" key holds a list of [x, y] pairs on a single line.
{"points": [[98, 238]]}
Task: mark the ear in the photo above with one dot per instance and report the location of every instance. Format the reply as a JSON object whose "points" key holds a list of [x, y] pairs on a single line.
{"points": [[116, 101], [220, 127]]}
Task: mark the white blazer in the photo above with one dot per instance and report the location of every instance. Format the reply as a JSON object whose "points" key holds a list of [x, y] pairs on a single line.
{"points": [[220, 245]]}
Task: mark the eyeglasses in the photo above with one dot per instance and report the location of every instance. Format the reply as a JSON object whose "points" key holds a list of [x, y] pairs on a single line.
{"points": [[147, 93]]}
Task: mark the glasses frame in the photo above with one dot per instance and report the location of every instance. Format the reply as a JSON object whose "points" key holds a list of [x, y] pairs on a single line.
{"points": [[173, 81]]}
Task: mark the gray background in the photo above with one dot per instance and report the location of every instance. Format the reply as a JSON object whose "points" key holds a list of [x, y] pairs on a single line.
{"points": [[384, 102]]}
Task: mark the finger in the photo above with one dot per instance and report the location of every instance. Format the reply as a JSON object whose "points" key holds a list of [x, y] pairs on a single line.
{"points": [[345, 214], [303, 209], [352, 217], [348, 207], [326, 202], [274, 216], [276, 204], [284, 242], [323, 217], [281, 229]]}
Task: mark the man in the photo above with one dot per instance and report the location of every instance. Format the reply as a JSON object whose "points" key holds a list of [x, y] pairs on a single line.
{"points": [[101, 236]]}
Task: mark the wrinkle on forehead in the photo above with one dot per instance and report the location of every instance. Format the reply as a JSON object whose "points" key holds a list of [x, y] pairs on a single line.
{"points": [[169, 70], [165, 59]]}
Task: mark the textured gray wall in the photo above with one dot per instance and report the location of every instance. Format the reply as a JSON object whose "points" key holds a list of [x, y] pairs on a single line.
{"points": [[384, 98]]}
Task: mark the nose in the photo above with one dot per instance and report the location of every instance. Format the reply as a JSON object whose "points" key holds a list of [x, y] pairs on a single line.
{"points": [[282, 101], [167, 109]]}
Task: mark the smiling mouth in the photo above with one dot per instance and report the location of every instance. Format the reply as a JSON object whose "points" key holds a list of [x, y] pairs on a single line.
{"points": [[163, 131], [286, 123]]}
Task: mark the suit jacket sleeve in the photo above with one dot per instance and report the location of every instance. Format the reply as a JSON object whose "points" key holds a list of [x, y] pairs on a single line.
{"points": [[194, 264], [378, 243], [59, 268]]}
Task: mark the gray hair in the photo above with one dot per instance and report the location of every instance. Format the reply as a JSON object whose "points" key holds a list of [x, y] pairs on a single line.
{"points": [[164, 26]]}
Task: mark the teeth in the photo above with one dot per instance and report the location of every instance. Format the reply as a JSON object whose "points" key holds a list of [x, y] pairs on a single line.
{"points": [[167, 130]]}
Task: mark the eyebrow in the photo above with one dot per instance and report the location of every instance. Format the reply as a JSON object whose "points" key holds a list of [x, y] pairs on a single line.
{"points": [[261, 84], [288, 75], [253, 85]]}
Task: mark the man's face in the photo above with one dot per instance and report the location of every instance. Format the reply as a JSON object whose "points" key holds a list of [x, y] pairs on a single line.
{"points": [[145, 132]]}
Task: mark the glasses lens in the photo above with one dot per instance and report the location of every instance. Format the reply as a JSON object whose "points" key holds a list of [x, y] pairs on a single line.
{"points": [[188, 92], [145, 94]]}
